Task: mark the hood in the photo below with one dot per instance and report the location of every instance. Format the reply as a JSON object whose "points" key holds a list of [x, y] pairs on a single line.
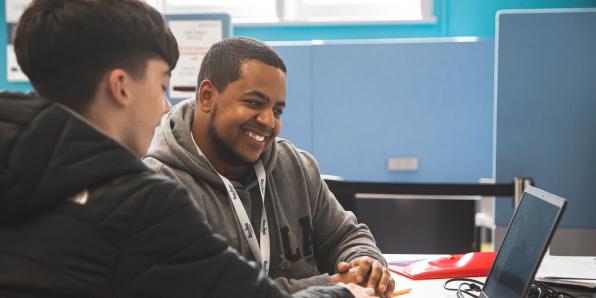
{"points": [[47, 155], [173, 146]]}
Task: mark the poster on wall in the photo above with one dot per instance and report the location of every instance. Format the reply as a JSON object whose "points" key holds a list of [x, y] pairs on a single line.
{"points": [[195, 34], [14, 9]]}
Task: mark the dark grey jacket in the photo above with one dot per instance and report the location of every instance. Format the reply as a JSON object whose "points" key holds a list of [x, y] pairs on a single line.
{"points": [[310, 231], [81, 216]]}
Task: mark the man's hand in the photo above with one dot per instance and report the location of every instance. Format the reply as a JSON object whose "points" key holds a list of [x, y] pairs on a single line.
{"points": [[345, 277], [358, 291], [367, 272]]}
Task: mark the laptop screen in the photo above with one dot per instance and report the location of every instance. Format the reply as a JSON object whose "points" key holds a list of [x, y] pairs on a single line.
{"points": [[527, 237]]}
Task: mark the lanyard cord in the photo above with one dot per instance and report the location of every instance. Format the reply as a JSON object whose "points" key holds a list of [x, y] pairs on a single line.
{"points": [[261, 252]]}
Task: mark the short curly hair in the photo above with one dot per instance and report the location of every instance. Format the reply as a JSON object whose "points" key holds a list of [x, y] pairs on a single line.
{"points": [[222, 63]]}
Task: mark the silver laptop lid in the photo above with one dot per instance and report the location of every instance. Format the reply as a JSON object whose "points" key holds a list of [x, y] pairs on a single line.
{"points": [[528, 235]]}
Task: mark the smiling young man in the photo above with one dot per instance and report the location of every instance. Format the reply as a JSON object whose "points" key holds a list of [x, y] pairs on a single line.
{"points": [[265, 196], [80, 214]]}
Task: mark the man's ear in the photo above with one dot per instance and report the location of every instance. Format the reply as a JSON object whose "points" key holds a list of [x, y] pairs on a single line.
{"points": [[206, 96], [118, 86]]}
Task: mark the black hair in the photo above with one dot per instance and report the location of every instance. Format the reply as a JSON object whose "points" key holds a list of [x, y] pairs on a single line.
{"points": [[221, 65], [65, 47]]}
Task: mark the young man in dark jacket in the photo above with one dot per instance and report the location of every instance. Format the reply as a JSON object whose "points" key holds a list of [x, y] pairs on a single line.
{"points": [[80, 215]]}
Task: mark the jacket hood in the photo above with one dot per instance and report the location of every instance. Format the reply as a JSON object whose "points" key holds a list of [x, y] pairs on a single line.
{"points": [[173, 146], [47, 155]]}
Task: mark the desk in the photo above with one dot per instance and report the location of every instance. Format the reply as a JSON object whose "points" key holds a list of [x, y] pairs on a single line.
{"points": [[420, 288], [434, 287]]}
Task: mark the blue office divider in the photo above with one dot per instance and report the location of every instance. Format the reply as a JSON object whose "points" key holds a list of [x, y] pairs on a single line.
{"points": [[546, 107], [297, 120], [354, 105]]}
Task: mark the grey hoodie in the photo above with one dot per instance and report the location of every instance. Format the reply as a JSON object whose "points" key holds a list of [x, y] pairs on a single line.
{"points": [[310, 231]]}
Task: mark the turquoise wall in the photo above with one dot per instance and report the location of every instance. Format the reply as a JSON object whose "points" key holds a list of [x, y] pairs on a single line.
{"points": [[454, 18]]}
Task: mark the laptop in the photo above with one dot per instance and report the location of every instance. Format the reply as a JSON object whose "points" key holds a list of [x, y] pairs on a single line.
{"points": [[527, 238]]}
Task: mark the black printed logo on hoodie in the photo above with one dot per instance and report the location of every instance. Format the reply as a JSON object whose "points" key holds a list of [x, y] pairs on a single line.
{"points": [[296, 254]]}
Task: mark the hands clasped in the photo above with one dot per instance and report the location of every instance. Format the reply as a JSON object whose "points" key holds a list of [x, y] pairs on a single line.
{"points": [[366, 272]]}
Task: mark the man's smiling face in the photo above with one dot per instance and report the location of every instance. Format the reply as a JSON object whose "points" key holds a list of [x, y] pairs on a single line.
{"points": [[246, 115]]}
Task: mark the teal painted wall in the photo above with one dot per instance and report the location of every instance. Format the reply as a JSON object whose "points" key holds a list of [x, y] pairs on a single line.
{"points": [[4, 85], [454, 18]]}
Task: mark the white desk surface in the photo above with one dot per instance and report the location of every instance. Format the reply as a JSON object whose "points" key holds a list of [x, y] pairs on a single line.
{"points": [[429, 288]]}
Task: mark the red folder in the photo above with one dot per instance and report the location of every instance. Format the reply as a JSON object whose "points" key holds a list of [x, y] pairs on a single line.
{"points": [[448, 266]]}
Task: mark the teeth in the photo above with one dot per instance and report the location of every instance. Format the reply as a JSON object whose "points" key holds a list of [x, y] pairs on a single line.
{"points": [[255, 136]]}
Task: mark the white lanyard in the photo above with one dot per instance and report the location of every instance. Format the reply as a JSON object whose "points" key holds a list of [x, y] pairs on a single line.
{"points": [[262, 253]]}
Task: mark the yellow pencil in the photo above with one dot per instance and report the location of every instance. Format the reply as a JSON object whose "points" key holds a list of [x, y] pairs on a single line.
{"points": [[401, 292]]}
